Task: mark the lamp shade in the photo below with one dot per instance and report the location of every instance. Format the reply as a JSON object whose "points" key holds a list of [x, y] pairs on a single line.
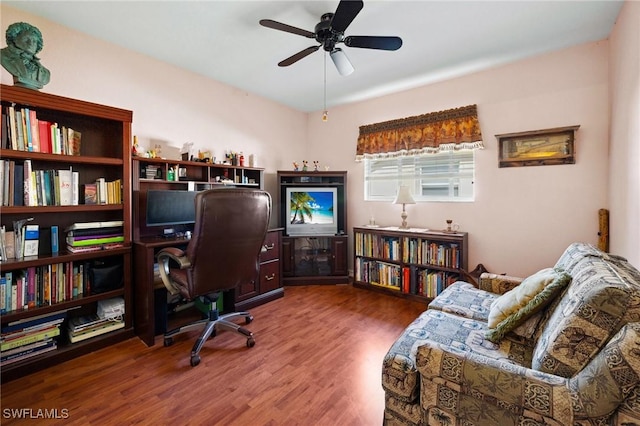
{"points": [[404, 196], [341, 61]]}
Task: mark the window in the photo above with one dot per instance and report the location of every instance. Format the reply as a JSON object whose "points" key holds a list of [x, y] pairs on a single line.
{"points": [[445, 176]]}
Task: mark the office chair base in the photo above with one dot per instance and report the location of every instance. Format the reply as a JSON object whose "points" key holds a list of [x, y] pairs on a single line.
{"points": [[211, 329]]}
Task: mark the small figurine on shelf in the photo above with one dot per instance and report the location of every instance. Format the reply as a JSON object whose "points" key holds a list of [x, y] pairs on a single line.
{"points": [[305, 165], [295, 166], [134, 147], [315, 165]]}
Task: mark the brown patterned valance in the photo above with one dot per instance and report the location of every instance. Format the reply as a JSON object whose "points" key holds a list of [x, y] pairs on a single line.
{"points": [[451, 129]]}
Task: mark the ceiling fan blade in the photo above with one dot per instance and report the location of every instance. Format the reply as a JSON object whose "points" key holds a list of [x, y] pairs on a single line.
{"points": [[269, 23], [374, 42], [295, 58], [345, 13]]}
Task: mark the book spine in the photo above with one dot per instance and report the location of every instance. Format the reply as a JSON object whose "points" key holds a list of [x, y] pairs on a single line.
{"points": [[81, 243], [75, 184], [12, 127], [3, 295], [34, 131], [55, 239]]}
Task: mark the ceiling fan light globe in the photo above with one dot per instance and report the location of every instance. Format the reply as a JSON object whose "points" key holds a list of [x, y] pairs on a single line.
{"points": [[341, 61]]}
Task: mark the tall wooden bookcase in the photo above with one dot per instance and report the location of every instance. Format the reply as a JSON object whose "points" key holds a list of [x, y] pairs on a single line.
{"points": [[408, 263], [105, 153]]}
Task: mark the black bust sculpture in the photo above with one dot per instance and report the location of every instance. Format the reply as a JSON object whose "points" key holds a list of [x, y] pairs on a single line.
{"points": [[19, 57]]}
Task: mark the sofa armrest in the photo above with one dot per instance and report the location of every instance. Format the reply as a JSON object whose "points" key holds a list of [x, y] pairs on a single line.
{"points": [[498, 284], [594, 393]]}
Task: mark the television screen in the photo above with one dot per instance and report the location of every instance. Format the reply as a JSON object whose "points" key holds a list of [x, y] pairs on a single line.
{"points": [[168, 207], [311, 211]]}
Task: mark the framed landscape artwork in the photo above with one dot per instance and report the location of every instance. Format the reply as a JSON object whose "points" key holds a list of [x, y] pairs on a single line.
{"points": [[537, 148]]}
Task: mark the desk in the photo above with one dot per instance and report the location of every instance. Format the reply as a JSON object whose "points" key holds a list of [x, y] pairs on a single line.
{"points": [[268, 287]]}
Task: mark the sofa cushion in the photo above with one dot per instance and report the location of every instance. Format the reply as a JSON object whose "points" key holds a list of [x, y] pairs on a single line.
{"points": [[517, 299], [588, 314], [555, 281], [463, 299], [399, 371], [576, 252], [617, 369]]}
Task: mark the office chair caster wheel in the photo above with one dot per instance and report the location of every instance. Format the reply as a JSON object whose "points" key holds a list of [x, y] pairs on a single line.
{"points": [[168, 341], [195, 360], [251, 342], [248, 319]]}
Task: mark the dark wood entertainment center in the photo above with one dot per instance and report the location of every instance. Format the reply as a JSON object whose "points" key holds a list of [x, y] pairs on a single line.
{"points": [[314, 259]]}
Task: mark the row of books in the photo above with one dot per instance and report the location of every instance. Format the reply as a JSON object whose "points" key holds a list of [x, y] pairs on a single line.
{"points": [[103, 192], [407, 279], [22, 130], [378, 273], [28, 239], [424, 252], [44, 285], [373, 245], [30, 337], [21, 185], [109, 317], [93, 236], [430, 283]]}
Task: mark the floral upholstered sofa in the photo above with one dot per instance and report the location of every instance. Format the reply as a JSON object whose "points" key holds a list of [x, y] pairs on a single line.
{"points": [[567, 353]]}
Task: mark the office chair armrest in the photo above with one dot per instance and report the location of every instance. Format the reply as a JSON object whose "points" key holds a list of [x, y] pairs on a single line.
{"points": [[164, 256]]}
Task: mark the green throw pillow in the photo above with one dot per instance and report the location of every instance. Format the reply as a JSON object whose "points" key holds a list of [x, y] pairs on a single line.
{"points": [[534, 305]]}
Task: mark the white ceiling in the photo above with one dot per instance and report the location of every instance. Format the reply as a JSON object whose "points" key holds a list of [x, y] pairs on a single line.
{"points": [[441, 39]]}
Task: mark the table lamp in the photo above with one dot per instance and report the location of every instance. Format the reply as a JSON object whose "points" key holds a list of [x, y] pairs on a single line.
{"points": [[404, 197]]}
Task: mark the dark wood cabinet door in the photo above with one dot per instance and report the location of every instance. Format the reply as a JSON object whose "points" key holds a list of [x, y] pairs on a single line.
{"points": [[339, 255], [286, 257]]}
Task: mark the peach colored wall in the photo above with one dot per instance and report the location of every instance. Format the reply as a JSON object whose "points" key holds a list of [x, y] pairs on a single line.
{"points": [[522, 218], [170, 106], [624, 170]]}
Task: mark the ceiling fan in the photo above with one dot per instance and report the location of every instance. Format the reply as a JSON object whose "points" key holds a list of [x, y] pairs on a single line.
{"points": [[330, 31]]}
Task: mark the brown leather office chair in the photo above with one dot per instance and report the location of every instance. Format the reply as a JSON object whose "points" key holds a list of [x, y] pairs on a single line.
{"points": [[229, 232]]}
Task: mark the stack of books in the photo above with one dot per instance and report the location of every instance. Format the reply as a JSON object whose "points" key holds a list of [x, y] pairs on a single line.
{"points": [[110, 317], [30, 337], [91, 236]]}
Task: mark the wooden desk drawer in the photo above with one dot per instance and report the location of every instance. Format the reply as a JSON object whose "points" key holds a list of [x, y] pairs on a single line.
{"points": [[269, 276], [271, 247]]}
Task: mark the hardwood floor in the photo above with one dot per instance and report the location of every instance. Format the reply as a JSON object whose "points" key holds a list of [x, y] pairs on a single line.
{"points": [[317, 361]]}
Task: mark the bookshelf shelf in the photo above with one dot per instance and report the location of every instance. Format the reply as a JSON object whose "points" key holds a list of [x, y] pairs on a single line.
{"points": [[61, 209], [408, 263], [105, 152], [67, 305], [59, 158]]}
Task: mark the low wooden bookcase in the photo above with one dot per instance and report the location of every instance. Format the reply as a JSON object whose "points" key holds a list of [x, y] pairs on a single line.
{"points": [[408, 263]]}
